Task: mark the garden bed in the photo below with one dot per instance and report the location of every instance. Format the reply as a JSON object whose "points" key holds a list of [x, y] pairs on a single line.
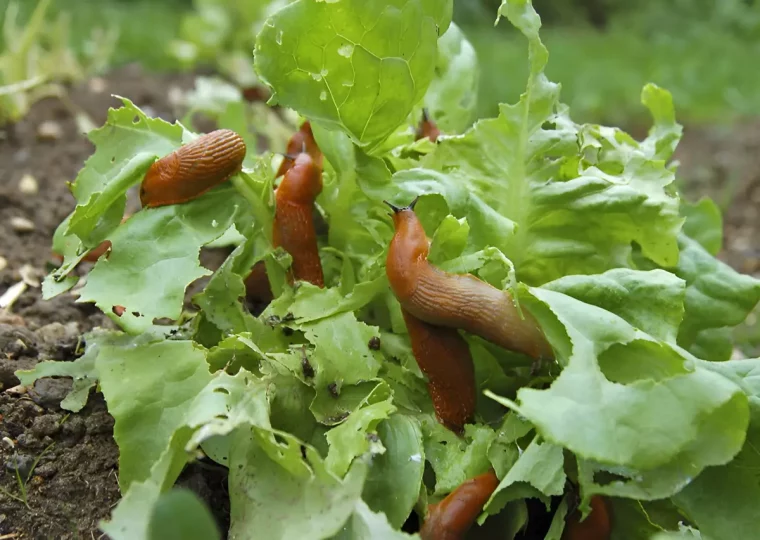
{"points": [[72, 459]]}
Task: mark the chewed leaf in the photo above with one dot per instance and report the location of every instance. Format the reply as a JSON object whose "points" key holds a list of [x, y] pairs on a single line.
{"points": [[538, 472], [393, 483], [281, 489], [621, 423], [363, 67], [154, 256], [452, 95]]}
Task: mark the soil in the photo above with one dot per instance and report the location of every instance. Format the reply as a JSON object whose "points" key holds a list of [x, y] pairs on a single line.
{"points": [[71, 459]]}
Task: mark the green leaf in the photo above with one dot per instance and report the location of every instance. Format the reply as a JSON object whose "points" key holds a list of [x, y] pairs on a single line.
{"points": [[357, 435], [716, 295], [364, 66], [704, 224], [180, 515], [281, 489], [367, 525], [218, 409], [623, 424], [537, 473], [82, 371], [452, 95], [341, 352], [650, 301], [456, 459], [154, 257], [394, 479], [124, 148], [717, 502], [570, 198]]}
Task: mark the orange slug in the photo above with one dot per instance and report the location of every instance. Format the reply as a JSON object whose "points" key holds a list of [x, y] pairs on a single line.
{"points": [[596, 526], [451, 518], [444, 357], [455, 300], [301, 141], [193, 169], [427, 128], [293, 221]]}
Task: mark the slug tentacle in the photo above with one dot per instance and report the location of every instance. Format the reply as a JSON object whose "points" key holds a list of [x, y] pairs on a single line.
{"points": [[455, 300], [451, 518], [302, 141]]}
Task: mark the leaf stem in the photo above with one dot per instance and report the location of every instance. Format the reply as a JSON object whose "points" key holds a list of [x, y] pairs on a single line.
{"points": [[246, 186]]}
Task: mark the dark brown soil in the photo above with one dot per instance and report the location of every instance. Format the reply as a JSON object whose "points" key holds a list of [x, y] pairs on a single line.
{"points": [[74, 483]]}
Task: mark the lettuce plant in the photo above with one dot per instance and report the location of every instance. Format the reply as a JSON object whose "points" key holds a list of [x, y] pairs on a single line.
{"points": [[581, 222]]}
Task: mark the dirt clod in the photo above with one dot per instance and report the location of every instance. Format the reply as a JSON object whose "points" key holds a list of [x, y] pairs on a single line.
{"points": [[49, 392]]}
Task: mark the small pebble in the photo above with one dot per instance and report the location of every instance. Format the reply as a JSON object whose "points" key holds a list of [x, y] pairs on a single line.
{"points": [[97, 85], [50, 392], [21, 224], [18, 390], [3, 263], [46, 470], [30, 275], [46, 425], [28, 185], [49, 131], [55, 332], [22, 463]]}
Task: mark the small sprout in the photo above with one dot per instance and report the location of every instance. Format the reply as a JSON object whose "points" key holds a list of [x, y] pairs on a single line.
{"points": [[374, 343]]}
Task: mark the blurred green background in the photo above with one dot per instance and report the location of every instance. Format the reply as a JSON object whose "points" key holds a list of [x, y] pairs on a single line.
{"points": [[705, 52]]}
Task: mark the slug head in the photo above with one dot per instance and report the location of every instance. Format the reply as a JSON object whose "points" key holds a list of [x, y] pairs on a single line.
{"points": [[158, 186], [407, 252], [302, 182]]}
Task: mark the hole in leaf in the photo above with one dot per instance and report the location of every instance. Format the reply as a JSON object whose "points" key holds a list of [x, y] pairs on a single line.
{"points": [[222, 391], [136, 119]]}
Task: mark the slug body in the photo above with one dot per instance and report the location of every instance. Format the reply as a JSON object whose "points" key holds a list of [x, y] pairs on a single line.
{"points": [[301, 141], [451, 518], [427, 128], [596, 526], [193, 169], [293, 222], [455, 300], [444, 357]]}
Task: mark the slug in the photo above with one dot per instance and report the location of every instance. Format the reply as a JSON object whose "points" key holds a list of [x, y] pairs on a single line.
{"points": [[427, 128], [451, 518], [193, 169], [444, 357], [455, 300], [596, 526], [293, 222], [257, 284], [301, 141]]}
